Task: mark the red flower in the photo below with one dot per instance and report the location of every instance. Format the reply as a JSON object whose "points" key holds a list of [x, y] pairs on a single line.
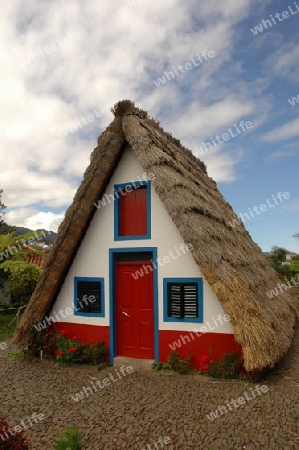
{"points": [[74, 338], [204, 362], [61, 352], [63, 332], [73, 349]]}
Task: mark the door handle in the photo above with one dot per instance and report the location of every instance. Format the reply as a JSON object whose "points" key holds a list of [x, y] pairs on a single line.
{"points": [[125, 314]]}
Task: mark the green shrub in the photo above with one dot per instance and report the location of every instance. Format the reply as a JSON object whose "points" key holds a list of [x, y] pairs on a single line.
{"points": [[19, 356], [71, 440], [90, 354], [7, 325], [161, 367], [229, 366], [181, 366], [175, 364], [41, 344]]}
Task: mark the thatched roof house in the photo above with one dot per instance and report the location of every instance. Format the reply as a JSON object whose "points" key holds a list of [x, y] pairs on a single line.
{"points": [[236, 276]]}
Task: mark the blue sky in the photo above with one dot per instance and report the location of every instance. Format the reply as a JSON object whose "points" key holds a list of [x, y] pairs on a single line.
{"points": [[64, 61]]}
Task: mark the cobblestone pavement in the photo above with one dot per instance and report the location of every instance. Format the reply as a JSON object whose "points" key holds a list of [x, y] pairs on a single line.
{"points": [[136, 409]]}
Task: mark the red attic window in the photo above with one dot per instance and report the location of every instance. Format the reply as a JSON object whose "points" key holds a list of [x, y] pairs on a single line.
{"points": [[133, 212]]}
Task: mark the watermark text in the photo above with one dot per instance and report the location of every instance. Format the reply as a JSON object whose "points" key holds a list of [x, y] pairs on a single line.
{"points": [[265, 24], [94, 387], [257, 210], [216, 140], [205, 328], [183, 68], [223, 409], [109, 198], [283, 287], [182, 250]]}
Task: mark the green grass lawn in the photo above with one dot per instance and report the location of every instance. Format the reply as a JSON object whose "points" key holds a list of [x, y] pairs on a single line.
{"points": [[5, 319]]}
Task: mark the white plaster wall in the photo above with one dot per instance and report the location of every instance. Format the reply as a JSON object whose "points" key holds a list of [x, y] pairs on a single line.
{"points": [[92, 259]]}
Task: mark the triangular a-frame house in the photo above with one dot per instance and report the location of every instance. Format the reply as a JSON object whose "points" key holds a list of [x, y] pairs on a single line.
{"points": [[151, 258]]}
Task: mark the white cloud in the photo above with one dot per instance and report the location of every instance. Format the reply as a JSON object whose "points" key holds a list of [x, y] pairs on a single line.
{"points": [[34, 220], [221, 166], [115, 57], [286, 131], [285, 61], [46, 220], [18, 217], [205, 121], [279, 154]]}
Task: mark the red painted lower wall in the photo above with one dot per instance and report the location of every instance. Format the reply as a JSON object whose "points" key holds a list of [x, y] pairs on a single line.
{"points": [[184, 342], [187, 343]]}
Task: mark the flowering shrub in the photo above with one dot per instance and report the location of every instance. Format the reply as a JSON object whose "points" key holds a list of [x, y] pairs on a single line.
{"points": [[14, 440], [72, 351], [205, 362], [65, 348]]}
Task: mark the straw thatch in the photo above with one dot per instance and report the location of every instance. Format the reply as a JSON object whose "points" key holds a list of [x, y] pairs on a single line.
{"points": [[231, 262]]}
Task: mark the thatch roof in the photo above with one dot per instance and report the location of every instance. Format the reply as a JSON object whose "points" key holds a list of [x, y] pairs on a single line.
{"points": [[231, 262]]}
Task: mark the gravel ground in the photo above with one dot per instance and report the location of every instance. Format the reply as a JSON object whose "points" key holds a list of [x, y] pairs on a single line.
{"points": [[138, 408]]}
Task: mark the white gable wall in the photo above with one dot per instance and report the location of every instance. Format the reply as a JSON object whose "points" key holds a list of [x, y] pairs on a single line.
{"points": [[92, 259]]}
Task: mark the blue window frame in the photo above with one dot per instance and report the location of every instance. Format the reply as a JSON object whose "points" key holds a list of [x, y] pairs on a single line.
{"points": [[183, 299], [89, 297], [119, 191]]}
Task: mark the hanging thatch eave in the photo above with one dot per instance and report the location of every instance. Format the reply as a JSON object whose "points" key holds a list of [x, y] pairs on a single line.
{"points": [[230, 261]]}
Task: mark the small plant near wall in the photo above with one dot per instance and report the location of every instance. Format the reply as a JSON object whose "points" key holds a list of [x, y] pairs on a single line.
{"points": [[174, 364], [229, 366], [91, 354], [161, 367], [181, 366], [41, 344], [71, 440]]}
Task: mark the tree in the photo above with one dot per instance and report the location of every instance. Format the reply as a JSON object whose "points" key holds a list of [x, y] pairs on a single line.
{"points": [[296, 235], [294, 266], [4, 228], [279, 254], [14, 254], [274, 249]]}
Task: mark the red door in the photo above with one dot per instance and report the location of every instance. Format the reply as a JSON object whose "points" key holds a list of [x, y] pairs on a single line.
{"points": [[134, 310]]}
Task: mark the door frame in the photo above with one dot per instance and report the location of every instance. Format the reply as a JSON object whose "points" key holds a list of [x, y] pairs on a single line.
{"points": [[112, 314]]}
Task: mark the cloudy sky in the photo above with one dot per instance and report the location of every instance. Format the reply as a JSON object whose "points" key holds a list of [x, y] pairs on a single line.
{"points": [[200, 68]]}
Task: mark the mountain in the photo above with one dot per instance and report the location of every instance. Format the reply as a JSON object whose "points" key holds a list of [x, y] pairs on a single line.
{"points": [[48, 236]]}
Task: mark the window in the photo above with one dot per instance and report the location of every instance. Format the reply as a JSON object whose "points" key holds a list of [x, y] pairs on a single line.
{"points": [[89, 297], [183, 300], [132, 210]]}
